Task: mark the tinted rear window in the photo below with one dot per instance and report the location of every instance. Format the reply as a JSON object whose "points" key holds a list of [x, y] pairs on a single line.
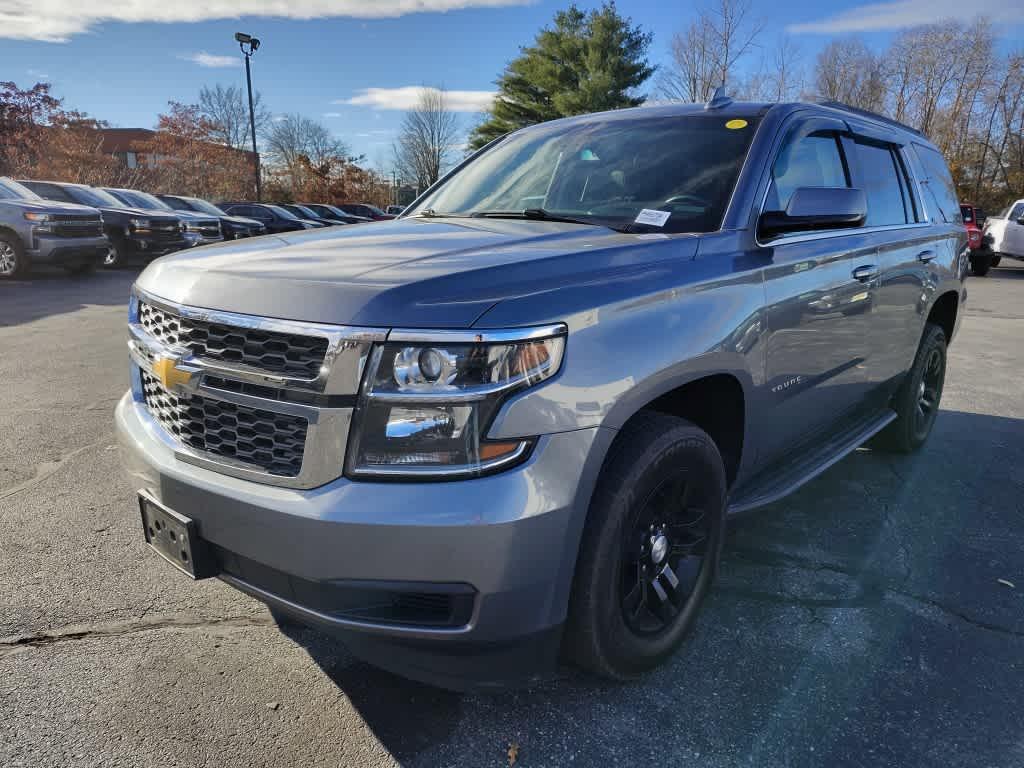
{"points": [[879, 176], [939, 185]]}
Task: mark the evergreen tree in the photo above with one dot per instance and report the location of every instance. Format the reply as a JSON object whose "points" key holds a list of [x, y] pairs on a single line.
{"points": [[585, 63]]}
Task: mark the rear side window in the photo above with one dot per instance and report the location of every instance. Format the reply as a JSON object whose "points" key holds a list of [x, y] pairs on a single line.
{"points": [[50, 192], [879, 176], [810, 161], [965, 212], [939, 184]]}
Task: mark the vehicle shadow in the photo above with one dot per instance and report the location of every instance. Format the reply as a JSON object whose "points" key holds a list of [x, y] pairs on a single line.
{"points": [[54, 292], [870, 596], [1008, 268]]}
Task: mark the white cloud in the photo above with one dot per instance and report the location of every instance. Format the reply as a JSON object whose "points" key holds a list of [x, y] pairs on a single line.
{"points": [[204, 59], [904, 13], [41, 76], [407, 96], [56, 21], [332, 114]]}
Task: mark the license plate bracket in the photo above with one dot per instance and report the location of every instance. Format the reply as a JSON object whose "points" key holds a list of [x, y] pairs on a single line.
{"points": [[176, 539]]}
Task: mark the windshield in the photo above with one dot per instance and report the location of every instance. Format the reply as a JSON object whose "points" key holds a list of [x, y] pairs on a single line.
{"points": [[304, 211], [198, 204], [680, 169], [141, 200], [93, 196], [12, 190], [284, 213]]}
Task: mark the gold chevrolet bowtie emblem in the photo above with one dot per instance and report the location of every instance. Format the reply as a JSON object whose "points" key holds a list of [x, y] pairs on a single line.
{"points": [[166, 369]]}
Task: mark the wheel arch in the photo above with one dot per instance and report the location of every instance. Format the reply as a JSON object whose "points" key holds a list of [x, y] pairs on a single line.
{"points": [[6, 230], [943, 312]]}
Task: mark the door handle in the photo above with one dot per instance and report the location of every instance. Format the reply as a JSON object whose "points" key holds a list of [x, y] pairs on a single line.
{"points": [[865, 273], [926, 256]]}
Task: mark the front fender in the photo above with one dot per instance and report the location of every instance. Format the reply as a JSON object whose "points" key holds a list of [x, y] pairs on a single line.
{"points": [[622, 355]]}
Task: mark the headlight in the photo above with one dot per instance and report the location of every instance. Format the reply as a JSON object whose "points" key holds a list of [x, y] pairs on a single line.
{"points": [[38, 217], [428, 400], [139, 223]]}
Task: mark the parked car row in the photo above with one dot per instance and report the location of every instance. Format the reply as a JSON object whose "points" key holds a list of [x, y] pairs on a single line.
{"points": [[80, 227]]}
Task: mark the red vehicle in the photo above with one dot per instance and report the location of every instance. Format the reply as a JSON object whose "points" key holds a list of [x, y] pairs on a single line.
{"points": [[365, 210], [980, 250]]}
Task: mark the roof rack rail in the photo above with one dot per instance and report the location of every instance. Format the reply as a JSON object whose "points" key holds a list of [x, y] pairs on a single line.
{"points": [[718, 99], [866, 113]]}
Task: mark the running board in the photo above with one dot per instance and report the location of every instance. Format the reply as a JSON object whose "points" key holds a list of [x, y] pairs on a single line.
{"points": [[782, 479]]}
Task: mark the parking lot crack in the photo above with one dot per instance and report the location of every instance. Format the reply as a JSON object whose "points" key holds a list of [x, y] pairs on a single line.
{"points": [[16, 643], [871, 589], [46, 469]]}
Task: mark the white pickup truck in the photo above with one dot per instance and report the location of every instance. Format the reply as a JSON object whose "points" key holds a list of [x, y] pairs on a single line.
{"points": [[1005, 233]]}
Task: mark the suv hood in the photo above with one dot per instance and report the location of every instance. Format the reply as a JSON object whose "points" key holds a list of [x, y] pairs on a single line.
{"points": [[241, 221], [48, 206], [142, 213], [408, 272]]}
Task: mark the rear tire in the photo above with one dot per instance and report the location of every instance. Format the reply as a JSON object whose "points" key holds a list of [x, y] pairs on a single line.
{"points": [[13, 261], [650, 548], [996, 259], [917, 401], [980, 264]]}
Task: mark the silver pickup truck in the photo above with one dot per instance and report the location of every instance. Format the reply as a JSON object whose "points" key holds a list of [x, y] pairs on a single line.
{"points": [[510, 426], [37, 231]]}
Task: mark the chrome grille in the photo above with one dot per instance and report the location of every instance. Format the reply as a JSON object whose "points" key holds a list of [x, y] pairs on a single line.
{"points": [[274, 442], [282, 353]]}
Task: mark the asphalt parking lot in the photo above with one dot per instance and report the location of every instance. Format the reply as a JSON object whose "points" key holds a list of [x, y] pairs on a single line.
{"points": [[874, 618]]}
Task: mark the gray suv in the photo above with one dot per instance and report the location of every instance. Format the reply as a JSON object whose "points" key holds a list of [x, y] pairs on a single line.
{"points": [[36, 231], [510, 426]]}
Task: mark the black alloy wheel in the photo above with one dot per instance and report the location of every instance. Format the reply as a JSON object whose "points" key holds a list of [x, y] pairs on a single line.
{"points": [[663, 554], [650, 548], [929, 392], [916, 402]]}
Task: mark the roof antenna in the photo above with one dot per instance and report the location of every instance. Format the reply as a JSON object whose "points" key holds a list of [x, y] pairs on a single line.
{"points": [[719, 99]]}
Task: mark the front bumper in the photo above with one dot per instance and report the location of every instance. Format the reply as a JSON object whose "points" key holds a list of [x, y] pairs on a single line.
{"points": [[152, 246], [67, 250], [510, 538]]}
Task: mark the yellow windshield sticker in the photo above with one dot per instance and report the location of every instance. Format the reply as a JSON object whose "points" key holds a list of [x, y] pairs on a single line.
{"points": [[736, 124]]}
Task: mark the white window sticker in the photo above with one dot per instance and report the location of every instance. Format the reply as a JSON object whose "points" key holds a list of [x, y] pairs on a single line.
{"points": [[654, 218]]}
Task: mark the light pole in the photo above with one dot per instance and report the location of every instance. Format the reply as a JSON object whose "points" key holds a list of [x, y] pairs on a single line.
{"points": [[249, 45]]}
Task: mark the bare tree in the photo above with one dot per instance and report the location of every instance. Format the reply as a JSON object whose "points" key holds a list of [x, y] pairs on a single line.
{"points": [[227, 109], [705, 55], [849, 72], [427, 139], [305, 154], [781, 76]]}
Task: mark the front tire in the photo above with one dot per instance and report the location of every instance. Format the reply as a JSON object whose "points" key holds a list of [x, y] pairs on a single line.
{"points": [[917, 401], [980, 264], [117, 256], [650, 549], [996, 259], [13, 261]]}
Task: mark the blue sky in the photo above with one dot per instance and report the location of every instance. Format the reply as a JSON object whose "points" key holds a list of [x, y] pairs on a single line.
{"points": [[122, 62]]}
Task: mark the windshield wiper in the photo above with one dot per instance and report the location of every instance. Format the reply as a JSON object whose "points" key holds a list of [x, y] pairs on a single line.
{"points": [[430, 213], [533, 213]]}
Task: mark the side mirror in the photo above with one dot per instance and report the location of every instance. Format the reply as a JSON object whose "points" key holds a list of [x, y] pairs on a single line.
{"points": [[816, 208]]}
